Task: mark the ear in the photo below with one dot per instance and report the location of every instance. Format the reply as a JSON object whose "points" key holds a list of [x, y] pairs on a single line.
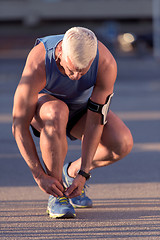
{"points": [[60, 51], [60, 48]]}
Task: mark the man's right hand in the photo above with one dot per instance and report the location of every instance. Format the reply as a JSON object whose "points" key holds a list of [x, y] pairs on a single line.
{"points": [[50, 185]]}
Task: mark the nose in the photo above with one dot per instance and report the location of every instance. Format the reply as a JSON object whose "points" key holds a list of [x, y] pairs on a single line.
{"points": [[77, 76]]}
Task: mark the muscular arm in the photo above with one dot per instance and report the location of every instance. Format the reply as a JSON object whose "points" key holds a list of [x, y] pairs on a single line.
{"points": [[107, 72], [25, 100]]}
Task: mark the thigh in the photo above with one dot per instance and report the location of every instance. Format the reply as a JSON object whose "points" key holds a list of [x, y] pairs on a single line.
{"points": [[114, 131], [48, 105], [78, 129]]}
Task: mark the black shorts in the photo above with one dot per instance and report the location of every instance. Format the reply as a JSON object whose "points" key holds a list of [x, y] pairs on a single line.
{"points": [[75, 115]]}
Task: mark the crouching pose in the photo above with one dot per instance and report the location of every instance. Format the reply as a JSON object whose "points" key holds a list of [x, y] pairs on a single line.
{"points": [[65, 90]]}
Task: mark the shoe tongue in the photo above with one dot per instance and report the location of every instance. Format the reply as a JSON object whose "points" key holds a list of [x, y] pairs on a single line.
{"points": [[70, 179]]}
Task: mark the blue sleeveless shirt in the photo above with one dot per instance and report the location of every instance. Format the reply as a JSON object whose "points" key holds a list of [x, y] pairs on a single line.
{"points": [[60, 85]]}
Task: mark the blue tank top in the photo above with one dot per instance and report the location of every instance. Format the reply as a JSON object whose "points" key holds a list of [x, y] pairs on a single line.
{"points": [[60, 85]]}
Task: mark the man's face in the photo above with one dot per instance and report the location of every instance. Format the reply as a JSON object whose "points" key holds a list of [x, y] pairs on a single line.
{"points": [[71, 71]]}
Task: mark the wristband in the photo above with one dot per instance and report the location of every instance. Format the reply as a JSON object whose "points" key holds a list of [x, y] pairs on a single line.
{"points": [[84, 174]]}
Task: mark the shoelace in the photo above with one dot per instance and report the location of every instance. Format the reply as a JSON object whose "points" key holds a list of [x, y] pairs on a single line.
{"points": [[63, 200], [83, 194]]}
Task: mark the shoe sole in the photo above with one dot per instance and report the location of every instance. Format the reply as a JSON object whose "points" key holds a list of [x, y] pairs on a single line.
{"points": [[80, 206], [61, 216]]}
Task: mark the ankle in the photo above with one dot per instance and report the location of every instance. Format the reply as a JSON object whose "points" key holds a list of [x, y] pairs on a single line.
{"points": [[71, 171]]}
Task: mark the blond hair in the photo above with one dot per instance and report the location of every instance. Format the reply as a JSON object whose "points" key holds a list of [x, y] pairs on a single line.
{"points": [[80, 45]]}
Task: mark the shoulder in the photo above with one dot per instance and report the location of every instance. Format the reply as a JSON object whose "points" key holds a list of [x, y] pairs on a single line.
{"points": [[33, 76], [106, 75], [35, 64], [107, 68], [106, 59], [36, 57]]}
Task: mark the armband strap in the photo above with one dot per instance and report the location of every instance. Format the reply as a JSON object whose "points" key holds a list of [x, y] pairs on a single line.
{"points": [[101, 108]]}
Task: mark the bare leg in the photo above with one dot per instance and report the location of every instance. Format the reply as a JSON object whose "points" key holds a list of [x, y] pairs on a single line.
{"points": [[116, 143], [51, 120]]}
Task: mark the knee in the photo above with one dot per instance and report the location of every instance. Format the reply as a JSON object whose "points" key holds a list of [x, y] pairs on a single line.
{"points": [[55, 118], [124, 145]]}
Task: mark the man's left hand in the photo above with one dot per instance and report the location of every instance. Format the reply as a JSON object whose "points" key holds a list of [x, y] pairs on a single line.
{"points": [[76, 188]]}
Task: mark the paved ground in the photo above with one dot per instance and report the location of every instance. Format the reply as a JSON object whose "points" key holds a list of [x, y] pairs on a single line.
{"points": [[126, 195]]}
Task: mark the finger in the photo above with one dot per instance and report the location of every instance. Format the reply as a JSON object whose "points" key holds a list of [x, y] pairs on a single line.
{"points": [[55, 195], [75, 193], [59, 186], [70, 190], [50, 192], [57, 192]]}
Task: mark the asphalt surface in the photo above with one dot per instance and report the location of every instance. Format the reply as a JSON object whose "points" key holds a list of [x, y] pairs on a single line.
{"points": [[126, 195]]}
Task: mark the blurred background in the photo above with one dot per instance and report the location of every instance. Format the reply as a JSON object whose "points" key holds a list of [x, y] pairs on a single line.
{"points": [[127, 27]]}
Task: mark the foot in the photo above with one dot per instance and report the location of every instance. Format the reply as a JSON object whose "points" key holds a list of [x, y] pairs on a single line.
{"points": [[60, 208], [81, 201]]}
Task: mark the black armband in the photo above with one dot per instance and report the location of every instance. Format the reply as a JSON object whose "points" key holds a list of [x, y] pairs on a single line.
{"points": [[101, 108]]}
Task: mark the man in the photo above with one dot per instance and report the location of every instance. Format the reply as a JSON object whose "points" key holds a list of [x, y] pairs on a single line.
{"points": [[66, 88]]}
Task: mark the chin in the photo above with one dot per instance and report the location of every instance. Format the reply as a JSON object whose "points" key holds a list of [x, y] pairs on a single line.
{"points": [[73, 79]]}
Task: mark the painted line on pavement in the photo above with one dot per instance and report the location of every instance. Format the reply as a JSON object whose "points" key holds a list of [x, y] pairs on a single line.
{"points": [[138, 147], [128, 116]]}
